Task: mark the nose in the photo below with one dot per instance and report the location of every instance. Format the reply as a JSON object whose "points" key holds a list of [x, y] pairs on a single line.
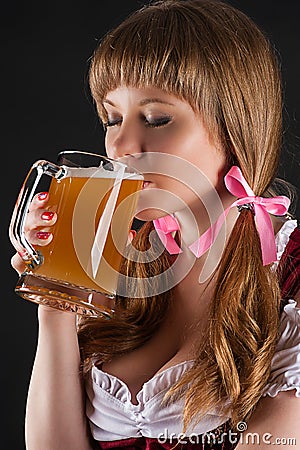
{"points": [[124, 140]]}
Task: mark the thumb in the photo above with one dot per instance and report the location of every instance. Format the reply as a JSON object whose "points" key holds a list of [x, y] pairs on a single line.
{"points": [[18, 263]]}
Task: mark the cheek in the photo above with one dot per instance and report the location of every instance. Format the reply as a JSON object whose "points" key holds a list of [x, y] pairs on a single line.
{"points": [[169, 139], [209, 160], [191, 193], [216, 168]]}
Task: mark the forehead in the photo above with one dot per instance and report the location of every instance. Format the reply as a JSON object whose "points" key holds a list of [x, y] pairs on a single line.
{"points": [[141, 96]]}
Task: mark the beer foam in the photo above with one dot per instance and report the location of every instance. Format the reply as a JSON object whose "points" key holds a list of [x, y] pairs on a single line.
{"points": [[99, 172]]}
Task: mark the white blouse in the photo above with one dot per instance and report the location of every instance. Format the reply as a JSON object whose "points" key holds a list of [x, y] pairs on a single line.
{"points": [[113, 416]]}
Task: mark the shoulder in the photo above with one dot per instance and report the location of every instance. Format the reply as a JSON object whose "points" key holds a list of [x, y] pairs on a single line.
{"points": [[274, 422]]}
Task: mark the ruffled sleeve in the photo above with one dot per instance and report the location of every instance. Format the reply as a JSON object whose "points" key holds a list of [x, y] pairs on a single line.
{"points": [[285, 367]]}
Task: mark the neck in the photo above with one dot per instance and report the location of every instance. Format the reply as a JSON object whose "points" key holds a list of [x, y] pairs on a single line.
{"points": [[194, 222]]}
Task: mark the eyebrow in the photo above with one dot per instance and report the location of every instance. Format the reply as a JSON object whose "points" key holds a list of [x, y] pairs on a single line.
{"points": [[146, 101], [143, 102]]}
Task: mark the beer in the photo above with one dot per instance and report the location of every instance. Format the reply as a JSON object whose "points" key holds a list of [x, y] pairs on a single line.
{"points": [[95, 199], [82, 200]]}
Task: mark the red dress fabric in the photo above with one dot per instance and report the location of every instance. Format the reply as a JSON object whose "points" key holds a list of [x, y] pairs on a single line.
{"points": [[289, 266], [289, 279], [221, 441]]}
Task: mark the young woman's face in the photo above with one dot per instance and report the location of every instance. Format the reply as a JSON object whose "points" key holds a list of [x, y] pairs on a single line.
{"points": [[166, 140]]}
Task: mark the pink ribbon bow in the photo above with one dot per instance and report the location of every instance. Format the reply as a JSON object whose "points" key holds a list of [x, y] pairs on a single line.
{"points": [[238, 186], [165, 227]]}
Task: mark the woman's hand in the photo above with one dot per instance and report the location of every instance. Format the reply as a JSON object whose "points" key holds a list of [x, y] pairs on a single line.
{"points": [[37, 227], [56, 396]]}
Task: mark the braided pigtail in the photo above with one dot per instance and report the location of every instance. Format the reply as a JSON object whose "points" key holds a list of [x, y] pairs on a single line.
{"points": [[244, 319]]}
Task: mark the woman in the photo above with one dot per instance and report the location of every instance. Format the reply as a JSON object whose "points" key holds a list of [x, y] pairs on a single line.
{"points": [[183, 87]]}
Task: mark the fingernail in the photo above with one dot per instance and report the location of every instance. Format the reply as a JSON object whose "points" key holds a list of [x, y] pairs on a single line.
{"points": [[42, 196], [42, 235], [22, 254], [47, 215], [133, 232]]}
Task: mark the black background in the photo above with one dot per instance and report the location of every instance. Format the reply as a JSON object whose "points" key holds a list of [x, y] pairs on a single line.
{"points": [[45, 48]]}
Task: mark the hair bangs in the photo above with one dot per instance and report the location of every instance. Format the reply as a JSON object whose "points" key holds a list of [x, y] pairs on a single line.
{"points": [[157, 56]]}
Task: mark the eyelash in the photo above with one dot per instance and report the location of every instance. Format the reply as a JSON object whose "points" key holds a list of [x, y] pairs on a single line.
{"points": [[111, 123], [155, 124], [162, 121]]}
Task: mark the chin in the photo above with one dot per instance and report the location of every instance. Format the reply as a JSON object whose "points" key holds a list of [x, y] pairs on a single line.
{"points": [[154, 203], [150, 214]]}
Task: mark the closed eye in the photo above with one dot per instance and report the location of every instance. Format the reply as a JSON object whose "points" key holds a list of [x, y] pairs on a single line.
{"points": [[152, 122], [112, 123], [158, 122]]}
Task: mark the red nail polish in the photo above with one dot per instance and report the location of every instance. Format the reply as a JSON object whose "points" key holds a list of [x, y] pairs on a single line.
{"points": [[47, 215], [42, 196], [133, 232], [42, 235]]}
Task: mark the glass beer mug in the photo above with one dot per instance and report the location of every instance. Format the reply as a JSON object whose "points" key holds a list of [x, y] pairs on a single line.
{"points": [[95, 199]]}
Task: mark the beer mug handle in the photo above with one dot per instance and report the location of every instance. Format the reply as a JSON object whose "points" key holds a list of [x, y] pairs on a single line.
{"points": [[31, 257]]}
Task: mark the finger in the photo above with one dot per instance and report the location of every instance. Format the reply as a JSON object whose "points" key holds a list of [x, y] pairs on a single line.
{"points": [[39, 237], [39, 218], [18, 263], [40, 200], [37, 227]]}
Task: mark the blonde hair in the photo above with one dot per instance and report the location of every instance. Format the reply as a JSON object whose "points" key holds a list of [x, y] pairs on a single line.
{"points": [[214, 57]]}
